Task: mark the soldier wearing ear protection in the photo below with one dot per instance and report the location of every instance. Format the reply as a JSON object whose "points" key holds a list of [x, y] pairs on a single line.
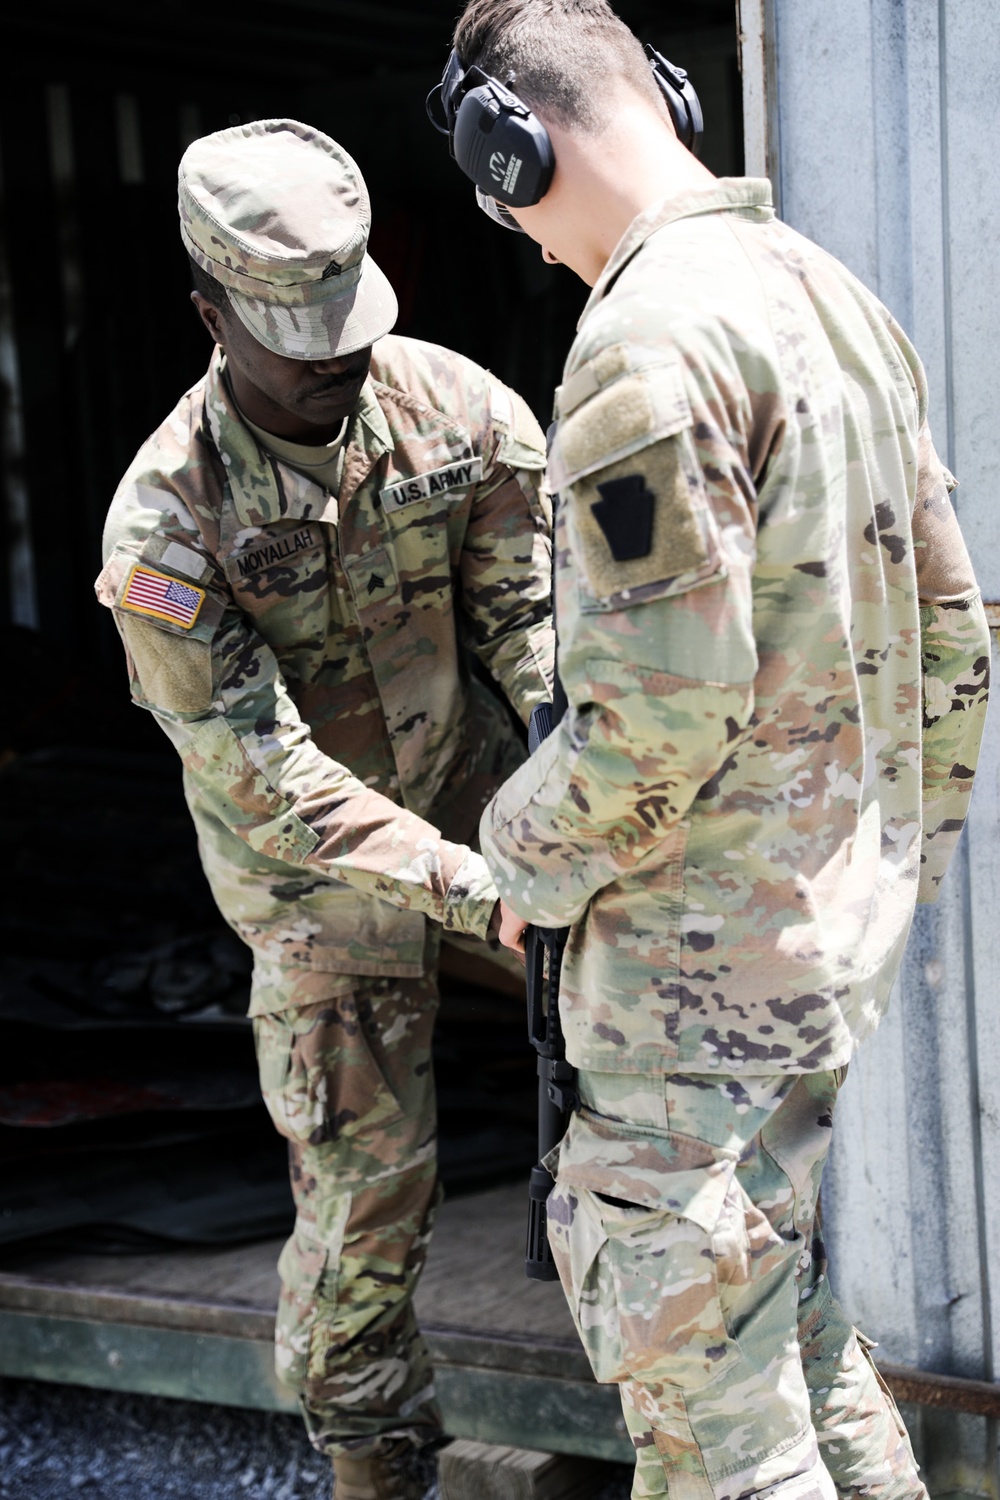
{"points": [[775, 660], [505, 149]]}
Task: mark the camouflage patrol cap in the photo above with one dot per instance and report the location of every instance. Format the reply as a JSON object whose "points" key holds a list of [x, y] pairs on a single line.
{"points": [[279, 213]]}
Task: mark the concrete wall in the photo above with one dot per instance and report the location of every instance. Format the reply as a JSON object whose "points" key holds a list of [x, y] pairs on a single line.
{"points": [[883, 131]]}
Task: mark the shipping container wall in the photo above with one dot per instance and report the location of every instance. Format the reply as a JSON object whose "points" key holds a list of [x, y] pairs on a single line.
{"points": [[885, 133]]}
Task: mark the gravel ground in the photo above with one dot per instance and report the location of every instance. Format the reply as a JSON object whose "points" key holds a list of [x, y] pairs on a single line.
{"points": [[63, 1442]]}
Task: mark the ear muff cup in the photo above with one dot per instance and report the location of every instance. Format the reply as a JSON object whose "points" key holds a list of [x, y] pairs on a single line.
{"points": [[502, 146], [505, 149], [681, 99]]}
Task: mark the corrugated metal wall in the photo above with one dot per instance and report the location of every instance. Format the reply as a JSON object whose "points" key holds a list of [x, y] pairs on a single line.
{"points": [[886, 125]]}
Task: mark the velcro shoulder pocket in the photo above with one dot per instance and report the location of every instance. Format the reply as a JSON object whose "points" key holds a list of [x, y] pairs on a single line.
{"points": [[167, 620], [626, 467], [168, 585]]}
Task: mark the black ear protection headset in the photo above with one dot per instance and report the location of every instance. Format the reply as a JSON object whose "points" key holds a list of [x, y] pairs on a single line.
{"points": [[506, 150]]}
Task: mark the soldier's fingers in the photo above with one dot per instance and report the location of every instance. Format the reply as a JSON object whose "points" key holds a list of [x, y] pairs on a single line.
{"points": [[512, 929]]}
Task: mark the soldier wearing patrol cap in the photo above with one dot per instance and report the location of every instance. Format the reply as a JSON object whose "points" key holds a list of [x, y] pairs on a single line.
{"points": [[297, 561], [775, 660]]}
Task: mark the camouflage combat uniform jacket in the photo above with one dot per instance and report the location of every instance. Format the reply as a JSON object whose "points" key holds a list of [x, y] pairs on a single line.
{"points": [[773, 649], [304, 653]]}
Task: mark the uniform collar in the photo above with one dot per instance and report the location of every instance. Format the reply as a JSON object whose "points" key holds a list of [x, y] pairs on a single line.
{"points": [[369, 415], [749, 197], [253, 479], [249, 469]]}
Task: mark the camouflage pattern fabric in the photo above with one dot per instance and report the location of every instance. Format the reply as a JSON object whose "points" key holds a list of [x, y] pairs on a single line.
{"points": [[307, 655], [349, 1082], [336, 753], [773, 649], [684, 1224], [775, 659], [279, 214]]}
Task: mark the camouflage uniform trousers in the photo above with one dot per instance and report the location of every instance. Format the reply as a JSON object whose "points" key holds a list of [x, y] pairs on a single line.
{"points": [[349, 1082], [685, 1224]]}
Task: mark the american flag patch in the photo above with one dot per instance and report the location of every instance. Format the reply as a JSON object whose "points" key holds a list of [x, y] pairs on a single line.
{"points": [[165, 598]]}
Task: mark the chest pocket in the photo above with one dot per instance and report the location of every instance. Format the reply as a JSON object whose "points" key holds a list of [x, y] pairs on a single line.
{"points": [[282, 579]]}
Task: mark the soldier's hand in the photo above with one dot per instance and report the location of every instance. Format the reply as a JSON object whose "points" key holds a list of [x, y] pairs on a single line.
{"points": [[512, 928]]}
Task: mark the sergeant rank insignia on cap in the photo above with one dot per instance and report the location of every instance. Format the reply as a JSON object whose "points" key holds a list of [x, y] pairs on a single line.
{"points": [[150, 593]]}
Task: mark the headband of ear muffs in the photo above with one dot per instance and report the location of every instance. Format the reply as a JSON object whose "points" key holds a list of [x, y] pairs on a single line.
{"points": [[505, 149]]}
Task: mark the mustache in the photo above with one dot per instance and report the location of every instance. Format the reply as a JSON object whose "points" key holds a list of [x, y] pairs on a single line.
{"points": [[348, 376]]}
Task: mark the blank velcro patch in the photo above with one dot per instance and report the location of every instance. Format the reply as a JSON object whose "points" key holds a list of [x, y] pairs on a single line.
{"points": [[620, 419], [173, 672]]}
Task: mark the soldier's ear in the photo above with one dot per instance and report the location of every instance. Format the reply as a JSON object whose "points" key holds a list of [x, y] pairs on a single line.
{"points": [[210, 316]]}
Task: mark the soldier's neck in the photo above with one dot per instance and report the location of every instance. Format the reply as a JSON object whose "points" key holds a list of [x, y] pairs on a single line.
{"points": [[266, 414], [603, 181]]}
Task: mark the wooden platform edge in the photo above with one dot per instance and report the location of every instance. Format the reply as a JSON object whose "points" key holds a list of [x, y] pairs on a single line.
{"points": [[503, 1406], [521, 1353], [27, 1294], [175, 1362]]}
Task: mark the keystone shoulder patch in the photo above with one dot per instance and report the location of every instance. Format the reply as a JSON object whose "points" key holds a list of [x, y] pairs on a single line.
{"points": [[454, 476], [625, 515], [162, 597]]}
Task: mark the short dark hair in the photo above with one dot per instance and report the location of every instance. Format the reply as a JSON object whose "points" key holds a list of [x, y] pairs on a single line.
{"points": [[556, 55], [213, 291]]}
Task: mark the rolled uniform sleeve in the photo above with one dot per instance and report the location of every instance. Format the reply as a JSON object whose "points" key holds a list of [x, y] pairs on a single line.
{"points": [[656, 647], [507, 558], [216, 689]]}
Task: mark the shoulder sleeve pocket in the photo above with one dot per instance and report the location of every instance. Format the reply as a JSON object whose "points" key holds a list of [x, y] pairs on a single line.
{"points": [[167, 671], [165, 583], [627, 469], [167, 622]]}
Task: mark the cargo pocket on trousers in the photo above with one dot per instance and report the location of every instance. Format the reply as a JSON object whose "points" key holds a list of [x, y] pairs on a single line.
{"points": [[318, 1074], [644, 1280]]}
